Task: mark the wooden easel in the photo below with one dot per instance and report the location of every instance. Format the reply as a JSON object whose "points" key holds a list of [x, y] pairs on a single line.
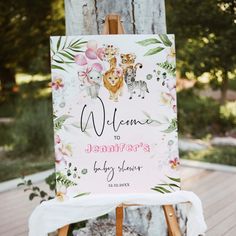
{"points": [[113, 25]]}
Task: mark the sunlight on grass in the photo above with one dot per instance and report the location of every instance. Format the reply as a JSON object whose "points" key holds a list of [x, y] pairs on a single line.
{"points": [[26, 78], [228, 111], [221, 155], [45, 92]]}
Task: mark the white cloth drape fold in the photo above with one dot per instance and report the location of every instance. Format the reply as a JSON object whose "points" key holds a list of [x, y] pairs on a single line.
{"points": [[52, 215]]}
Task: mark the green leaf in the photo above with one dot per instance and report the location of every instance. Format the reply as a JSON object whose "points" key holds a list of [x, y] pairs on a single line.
{"points": [[174, 179], [153, 51], [65, 54], [79, 44], [76, 49], [58, 43], [58, 61], [64, 43], [57, 67], [172, 185], [20, 184], [81, 194], [73, 43], [162, 189], [29, 182], [147, 42], [72, 55], [158, 190], [58, 122], [164, 38], [172, 127]]}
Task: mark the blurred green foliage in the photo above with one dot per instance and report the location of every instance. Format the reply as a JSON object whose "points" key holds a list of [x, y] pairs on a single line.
{"points": [[33, 121], [25, 27], [221, 155], [198, 116], [205, 38]]}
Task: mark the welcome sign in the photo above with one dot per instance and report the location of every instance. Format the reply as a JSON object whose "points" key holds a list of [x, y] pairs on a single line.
{"points": [[114, 105]]}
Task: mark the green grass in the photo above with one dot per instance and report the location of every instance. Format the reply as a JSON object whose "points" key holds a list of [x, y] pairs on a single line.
{"points": [[5, 135], [28, 141], [221, 155]]}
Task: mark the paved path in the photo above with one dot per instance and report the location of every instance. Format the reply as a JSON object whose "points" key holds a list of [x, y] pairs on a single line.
{"points": [[216, 189]]}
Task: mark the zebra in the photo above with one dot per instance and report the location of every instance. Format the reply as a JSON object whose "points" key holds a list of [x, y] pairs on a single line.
{"points": [[133, 85]]}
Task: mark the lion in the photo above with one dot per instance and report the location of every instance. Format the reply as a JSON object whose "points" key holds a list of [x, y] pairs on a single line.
{"points": [[114, 81]]}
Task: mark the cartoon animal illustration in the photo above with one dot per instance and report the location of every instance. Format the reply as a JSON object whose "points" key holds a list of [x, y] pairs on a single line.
{"points": [[110, 54], [90, 81], [133, 84], [113, 81], [113, 78], [128, 60]]}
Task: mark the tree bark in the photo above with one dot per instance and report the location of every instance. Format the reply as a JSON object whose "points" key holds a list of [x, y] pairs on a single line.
{"points": [[224, 87], [137, 16]]}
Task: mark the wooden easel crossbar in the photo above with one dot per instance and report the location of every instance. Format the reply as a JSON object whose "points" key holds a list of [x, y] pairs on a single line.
{"points": [[113, 25]]}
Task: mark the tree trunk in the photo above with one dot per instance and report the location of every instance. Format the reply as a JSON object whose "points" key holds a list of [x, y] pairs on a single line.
{"points": [[138, 17], [224, 87], [7, 80]]}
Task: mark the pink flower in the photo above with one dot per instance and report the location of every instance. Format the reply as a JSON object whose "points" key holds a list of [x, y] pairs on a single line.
{"points": [[174, 108], [59, 157], [57, 139], [118, 72], [57, 83], [174, 163]]}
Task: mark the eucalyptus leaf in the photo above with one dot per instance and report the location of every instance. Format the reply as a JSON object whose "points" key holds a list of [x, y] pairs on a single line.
{"points": [[153, 51], [164, 38], [147, 42]]}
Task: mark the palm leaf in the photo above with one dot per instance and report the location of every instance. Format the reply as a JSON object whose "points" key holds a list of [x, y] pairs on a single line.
{"points": [[174, 179], [57, 67], [59, 43]]}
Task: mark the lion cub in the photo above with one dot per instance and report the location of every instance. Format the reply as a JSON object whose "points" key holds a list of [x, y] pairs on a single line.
{"points": [[113, 82]]}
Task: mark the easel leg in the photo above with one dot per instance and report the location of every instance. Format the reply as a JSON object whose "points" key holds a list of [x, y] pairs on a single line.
{"points": [[119, 221], [172, 223], [63, 231]]}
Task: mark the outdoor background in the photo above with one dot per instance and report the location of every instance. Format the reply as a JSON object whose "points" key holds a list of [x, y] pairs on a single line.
{"points": [[206, 84]]}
